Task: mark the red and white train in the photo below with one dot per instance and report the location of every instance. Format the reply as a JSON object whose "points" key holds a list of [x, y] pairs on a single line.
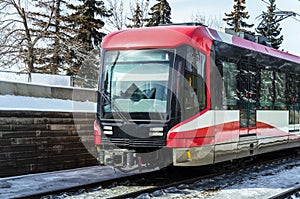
{"points": [[191, 95]]}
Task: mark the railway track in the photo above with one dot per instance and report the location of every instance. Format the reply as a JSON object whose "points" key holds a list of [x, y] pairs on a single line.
{"points": [[291, 193], [119, 179], [182, 187], [182, 181]]}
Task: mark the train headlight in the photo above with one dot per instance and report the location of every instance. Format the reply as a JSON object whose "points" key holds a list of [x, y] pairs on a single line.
{"points": [[156, 131], [107, 130]]}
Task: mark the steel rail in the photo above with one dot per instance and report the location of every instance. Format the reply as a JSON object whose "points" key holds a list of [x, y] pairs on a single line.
{"points": [[192, 180], [174, 179], [287, 193]]}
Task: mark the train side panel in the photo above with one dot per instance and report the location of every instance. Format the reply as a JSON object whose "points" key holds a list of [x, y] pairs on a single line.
{"points": [[216, 137]]}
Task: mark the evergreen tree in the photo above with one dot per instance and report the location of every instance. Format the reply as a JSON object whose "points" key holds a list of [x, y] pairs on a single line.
{"points": [[59, 52], [136, 18], [236, 17], [87, 23], [269, 29], [160, 13], [138, 15]]}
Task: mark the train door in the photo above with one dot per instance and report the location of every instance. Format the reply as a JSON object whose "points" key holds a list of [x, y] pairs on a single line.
{"points": [[247, 91], [227, 134], [293, 83], [247, 79], [294, 119]]}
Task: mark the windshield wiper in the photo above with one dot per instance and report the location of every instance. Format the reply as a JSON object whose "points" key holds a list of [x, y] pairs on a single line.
{"points": [[114, 106], [107, 98]]}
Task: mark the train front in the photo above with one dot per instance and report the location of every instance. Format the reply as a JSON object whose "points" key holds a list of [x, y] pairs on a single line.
{"points": [[147, 87]]}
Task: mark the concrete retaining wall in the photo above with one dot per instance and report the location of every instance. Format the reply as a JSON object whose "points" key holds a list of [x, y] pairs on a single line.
{"points": [[36, 141]]}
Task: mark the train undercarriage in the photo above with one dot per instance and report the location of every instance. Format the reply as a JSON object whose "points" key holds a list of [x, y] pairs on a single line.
{"points": [[134, 159]]}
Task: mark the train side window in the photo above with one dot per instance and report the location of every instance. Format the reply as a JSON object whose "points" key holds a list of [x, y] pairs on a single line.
{"points": [[293, 85], [272, 90], [280, 91], [293, 89], [194, 89], [266, 89], [229, 95]]}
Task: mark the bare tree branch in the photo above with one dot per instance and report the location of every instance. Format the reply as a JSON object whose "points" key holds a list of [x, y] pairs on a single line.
{"points": [[19, 34], [118, 18], [210, 21]]}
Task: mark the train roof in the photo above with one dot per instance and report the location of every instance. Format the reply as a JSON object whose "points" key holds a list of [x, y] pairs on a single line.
{"points": [[172, 36]]}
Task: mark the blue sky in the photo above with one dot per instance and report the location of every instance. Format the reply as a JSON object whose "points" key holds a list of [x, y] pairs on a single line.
{"points": [[182, 11]]}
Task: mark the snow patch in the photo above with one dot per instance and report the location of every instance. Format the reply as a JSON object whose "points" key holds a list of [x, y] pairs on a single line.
{"points": [[11, 102]]}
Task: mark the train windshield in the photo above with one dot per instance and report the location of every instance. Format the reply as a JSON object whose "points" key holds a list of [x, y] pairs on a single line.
{"points": [[136, 82]]}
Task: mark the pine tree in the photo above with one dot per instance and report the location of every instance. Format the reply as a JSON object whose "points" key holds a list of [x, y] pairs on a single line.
{"points": [[160, 13], [87, 23], [60, 52], [236, 17], [136, 18], [269, 29]]}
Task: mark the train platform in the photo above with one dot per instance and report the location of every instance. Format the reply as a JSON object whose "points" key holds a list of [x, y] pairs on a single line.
{"points": [[26, 185]]}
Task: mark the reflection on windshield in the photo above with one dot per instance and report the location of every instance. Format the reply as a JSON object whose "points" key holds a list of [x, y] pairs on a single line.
{"points": [[136, 87]]}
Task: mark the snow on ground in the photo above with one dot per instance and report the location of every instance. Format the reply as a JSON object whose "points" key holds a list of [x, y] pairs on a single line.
{"points": [[10, 102], [260, 183], [22, 186], [263, 186], [253, 183]]}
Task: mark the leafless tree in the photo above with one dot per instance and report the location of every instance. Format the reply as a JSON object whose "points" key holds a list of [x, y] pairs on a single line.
{"points": [[118, 18], [82, 64], [210, 21], [19, 35]]}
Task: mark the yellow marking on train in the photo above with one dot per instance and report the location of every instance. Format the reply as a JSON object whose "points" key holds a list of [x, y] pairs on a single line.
{"points": [[188, 153]]}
